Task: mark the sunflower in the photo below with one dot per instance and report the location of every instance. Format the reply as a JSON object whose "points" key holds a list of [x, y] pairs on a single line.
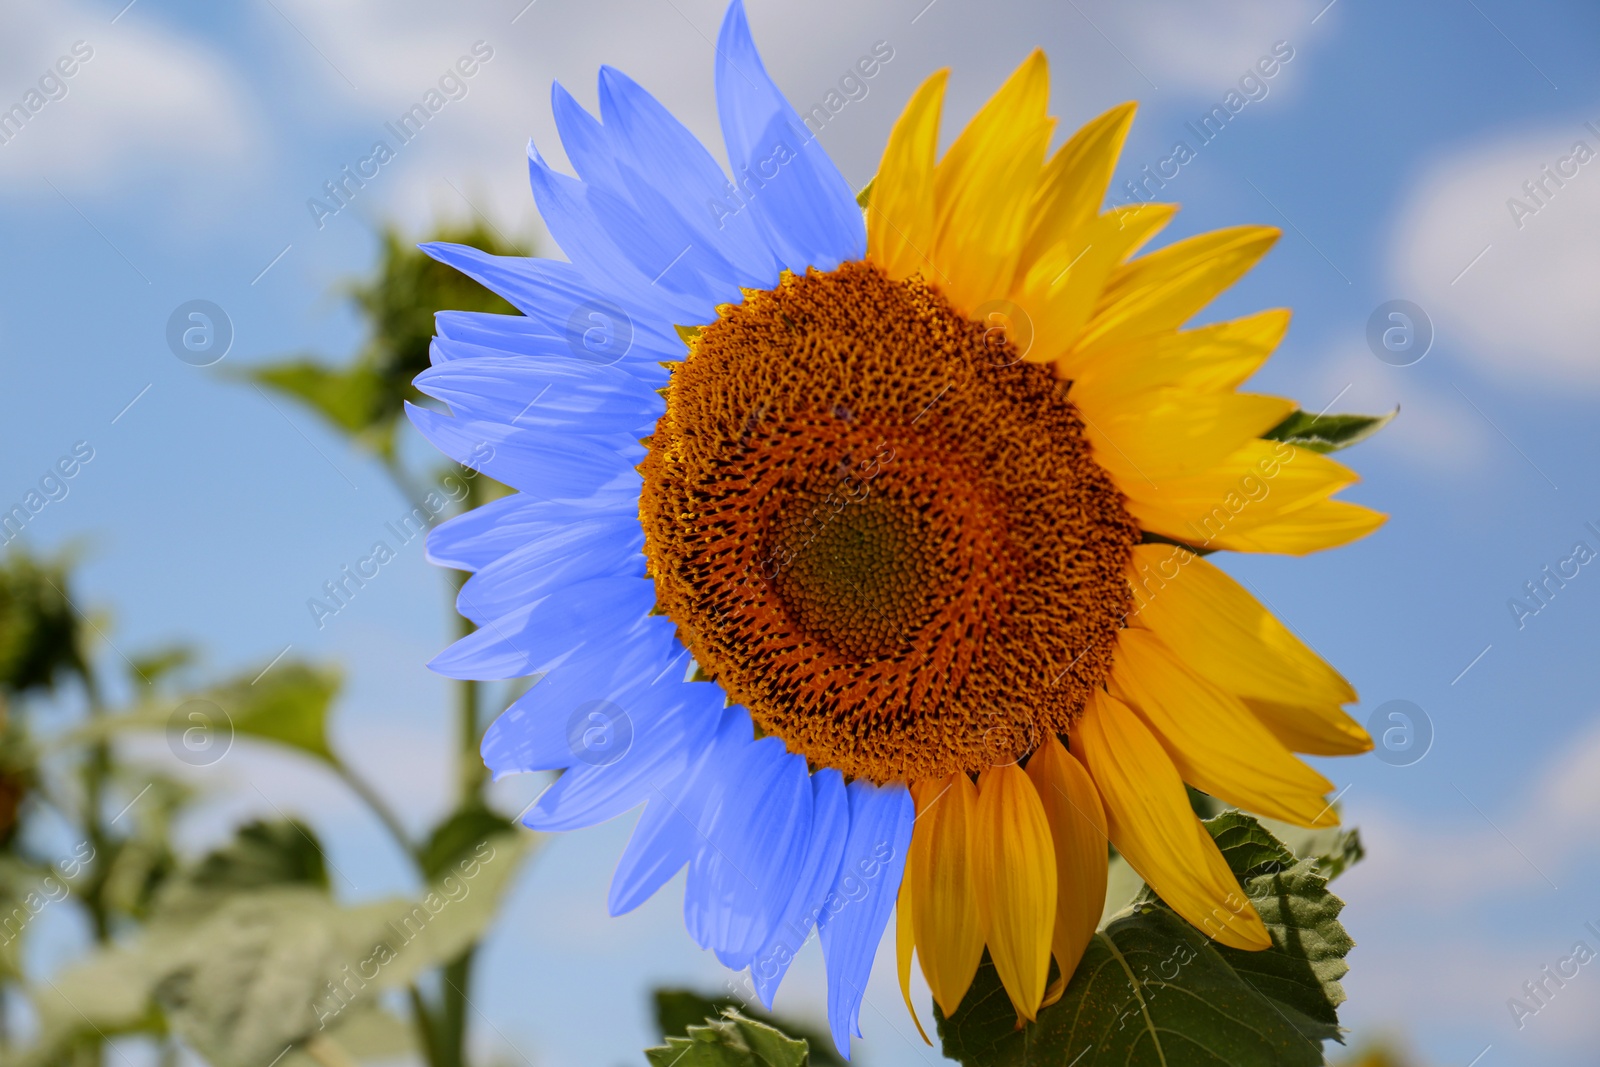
{"points": [[862, 548]]}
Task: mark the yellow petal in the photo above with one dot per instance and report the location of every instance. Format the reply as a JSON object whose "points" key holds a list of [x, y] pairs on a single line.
{"points": [[901, 211], [1150, 821], [1250, 502], [939, 871], [1208, 359], [1315, 729], [1214, 625], [1078, 834], [1061, 288], [1163, 290], [984, 187], [1321, 525], [1163, 434], [903, 946], [1073, 184], [1015, 867], [1215, 742]]}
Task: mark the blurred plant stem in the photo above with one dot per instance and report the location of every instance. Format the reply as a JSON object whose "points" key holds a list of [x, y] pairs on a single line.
{"points": [[378, 806], [473, 774], [364, 399], [96, 774]]}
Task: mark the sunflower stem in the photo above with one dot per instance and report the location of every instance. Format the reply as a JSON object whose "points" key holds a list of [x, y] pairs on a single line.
{"points": [[450, 1024], [471, 772], [378, 806]]}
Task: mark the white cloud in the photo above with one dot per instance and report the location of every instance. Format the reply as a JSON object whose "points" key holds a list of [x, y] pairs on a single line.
{"points": [[139, 100], [1526, 309], [154, 102], [1422, 885], [1207, 48], [1554, 826], [473, 150]]}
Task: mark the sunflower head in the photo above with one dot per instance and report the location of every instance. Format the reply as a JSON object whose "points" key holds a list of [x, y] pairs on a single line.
{"points": [[925, 491]]}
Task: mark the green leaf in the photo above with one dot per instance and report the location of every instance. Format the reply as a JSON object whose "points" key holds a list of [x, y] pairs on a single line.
{"points": [[453, 914], [40, 637], [1153, 990], [288, 703], [461, 834], [154, 667], [1336, 849], [1302, 971], [263, 970], [365, 1033], [864, 197], [733, 1040], [249, 996], [1328, 433], [350, 398], [138, 866], [678, 1009], [284, 852]]}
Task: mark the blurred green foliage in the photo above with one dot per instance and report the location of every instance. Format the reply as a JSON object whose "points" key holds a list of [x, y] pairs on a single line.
{"points": [[364, 397], [677, 1010], [244, 955], [40, 643]]}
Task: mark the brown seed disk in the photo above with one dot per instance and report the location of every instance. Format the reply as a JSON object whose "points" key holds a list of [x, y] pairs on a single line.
{"points": [[881, 531]]}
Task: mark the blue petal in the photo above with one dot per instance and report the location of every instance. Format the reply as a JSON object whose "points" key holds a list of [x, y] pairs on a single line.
{"points": [[788, 183], [573, 553], [650, 141], [668, 834], [758, 822], [571, 219], [670, 724], [663, 841], [863, 896], [560, 394], [656, 190], [534, 461], [572, 682], [550, 737], [473, 540], [593, 333], [537, 637], [484, 328], [585, 141], [658, 242], [561, 298], [830, 825]]}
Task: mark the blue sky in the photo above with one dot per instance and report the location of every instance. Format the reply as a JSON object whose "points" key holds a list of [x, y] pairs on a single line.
{"points": [[178, 165]]}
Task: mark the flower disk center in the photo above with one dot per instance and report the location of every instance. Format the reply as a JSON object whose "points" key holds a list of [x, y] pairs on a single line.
{"points": [[882, 531], [854, 574]]}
